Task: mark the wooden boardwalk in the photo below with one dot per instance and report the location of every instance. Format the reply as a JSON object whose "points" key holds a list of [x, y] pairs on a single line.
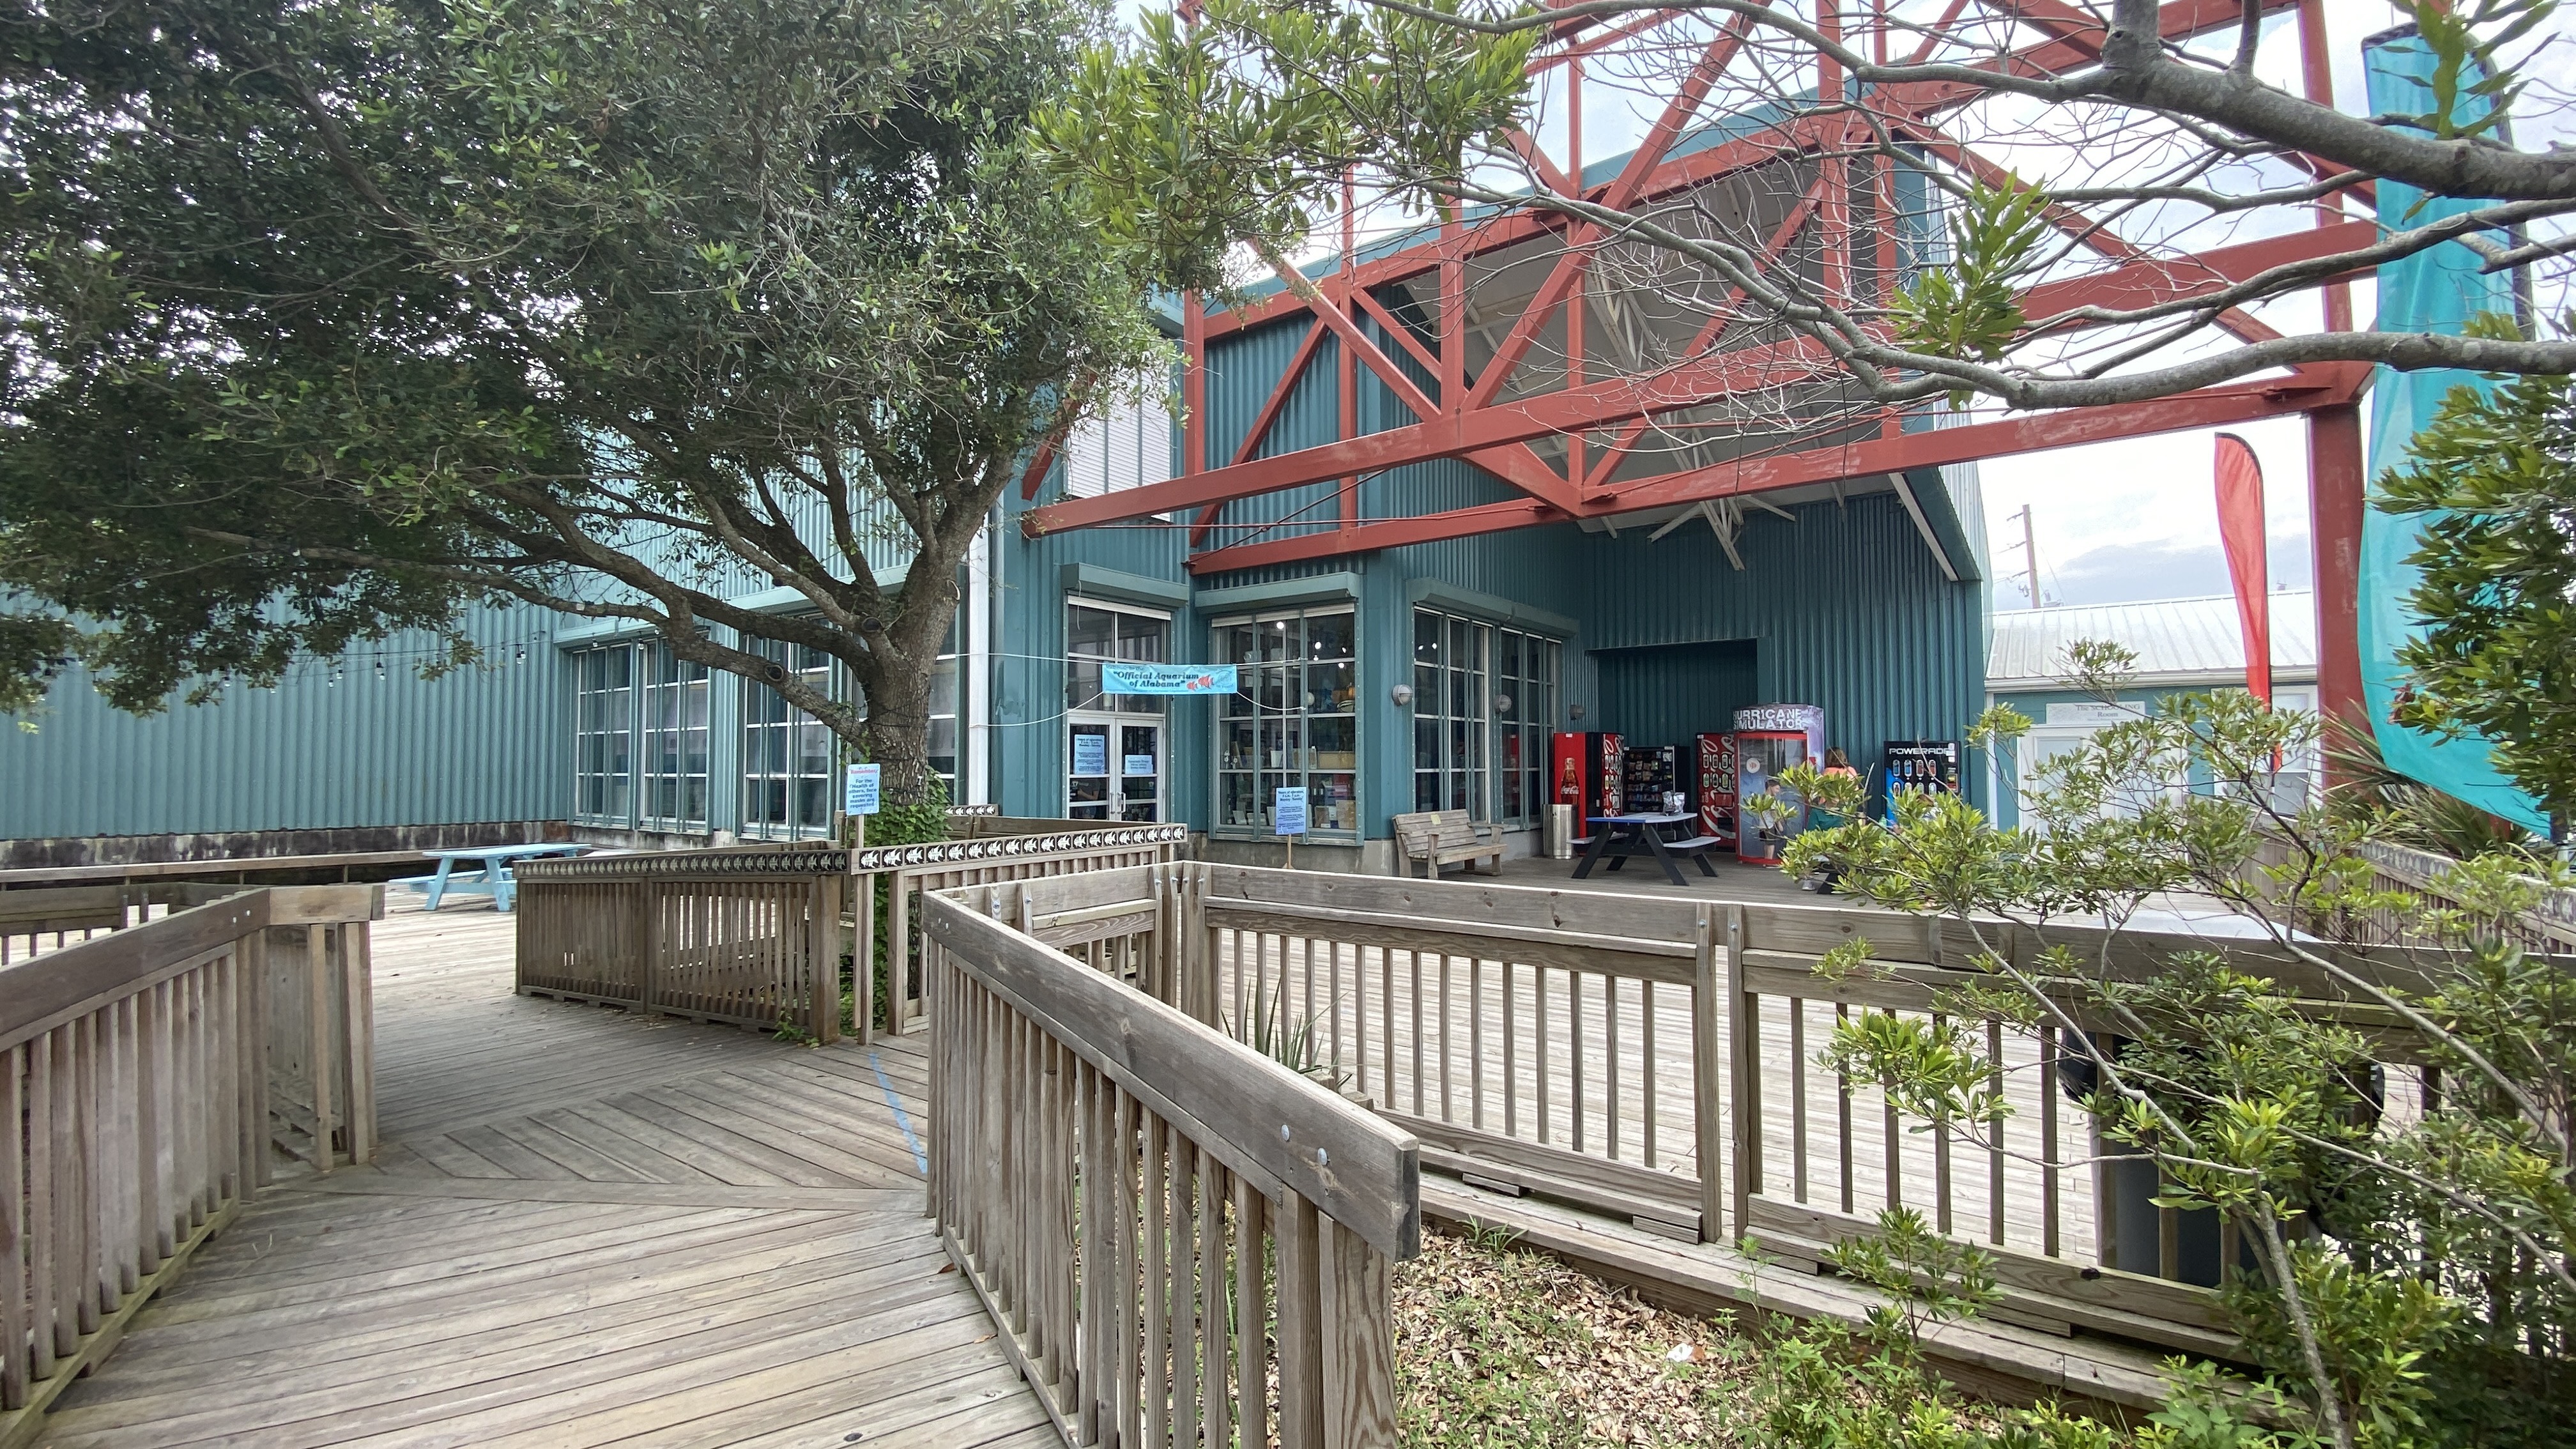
{"points": [[584, 1228]]}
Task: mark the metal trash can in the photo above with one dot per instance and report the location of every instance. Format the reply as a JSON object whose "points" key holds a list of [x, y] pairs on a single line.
{"points": [[1560, 832]]}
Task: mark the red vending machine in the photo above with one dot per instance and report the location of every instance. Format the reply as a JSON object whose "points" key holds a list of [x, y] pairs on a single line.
{"points": [[1717, 785], [1586, 768], [1769, 738], [1760, 756]]}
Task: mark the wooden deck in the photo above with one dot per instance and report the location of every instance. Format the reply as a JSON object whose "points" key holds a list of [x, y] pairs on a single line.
{"points": [[584, 1228]]}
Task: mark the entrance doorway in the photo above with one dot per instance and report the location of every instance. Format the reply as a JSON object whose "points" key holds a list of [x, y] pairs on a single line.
{"points": [[1117, 767]]}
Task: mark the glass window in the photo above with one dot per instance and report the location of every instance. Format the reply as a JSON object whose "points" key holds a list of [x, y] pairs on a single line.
{"points": [[1095, 634], [1293, 721], [786, 753], [1484, 701], [675, 742], [943, 706], [1452, 731], [603, 769]]}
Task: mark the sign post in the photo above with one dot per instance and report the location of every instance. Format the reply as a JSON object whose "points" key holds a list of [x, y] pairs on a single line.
{"points": [[859, 795], [1288, 817]]}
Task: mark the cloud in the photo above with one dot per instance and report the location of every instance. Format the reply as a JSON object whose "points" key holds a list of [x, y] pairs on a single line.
{"points": [[2153, 569]]}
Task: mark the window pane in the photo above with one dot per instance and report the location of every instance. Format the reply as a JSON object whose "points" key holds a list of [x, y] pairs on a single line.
{"points": [[1292, 723], [1141, 638], [1089, 631], [1330, 636]]}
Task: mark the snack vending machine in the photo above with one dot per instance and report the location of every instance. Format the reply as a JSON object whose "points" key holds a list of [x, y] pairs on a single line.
{"points": [[1648, 774], [1920, 765], [1587, 769], [1716, 793]]}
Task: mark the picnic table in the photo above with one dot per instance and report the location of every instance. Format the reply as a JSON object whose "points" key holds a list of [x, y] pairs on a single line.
{"points": [[490, 871], [1621, 836]]}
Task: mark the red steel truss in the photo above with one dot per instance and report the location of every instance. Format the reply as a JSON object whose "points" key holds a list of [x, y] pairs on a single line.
{"points": [[1597, 424]]}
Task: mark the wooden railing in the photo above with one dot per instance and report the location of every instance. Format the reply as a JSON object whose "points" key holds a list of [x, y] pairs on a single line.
{"points": [[749, 936], [151, 1079], [980, 851], [1181, 1240], [1660, 1058], [756, 935], [2548, 930]]}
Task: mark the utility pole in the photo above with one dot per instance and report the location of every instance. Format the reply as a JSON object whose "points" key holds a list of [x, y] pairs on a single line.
{"points": [[2030, 556]]}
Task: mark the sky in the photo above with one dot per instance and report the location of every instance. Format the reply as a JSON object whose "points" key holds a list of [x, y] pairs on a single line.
{"points": [[2138, 519]]}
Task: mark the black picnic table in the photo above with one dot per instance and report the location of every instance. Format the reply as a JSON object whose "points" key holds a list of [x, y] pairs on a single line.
{"points": [[1621, 836]]}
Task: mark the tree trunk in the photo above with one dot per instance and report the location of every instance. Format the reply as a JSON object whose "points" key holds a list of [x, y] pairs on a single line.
{"points": [[896, 734]]}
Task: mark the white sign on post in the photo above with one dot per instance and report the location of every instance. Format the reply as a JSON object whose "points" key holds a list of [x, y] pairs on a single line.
{"points": [[859, 790], [1288, 810]]}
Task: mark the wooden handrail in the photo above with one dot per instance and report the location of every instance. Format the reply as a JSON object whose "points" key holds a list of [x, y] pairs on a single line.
{"points": [[1140, 1200], [1657, 1057], [149, 1079], [756, 935]]}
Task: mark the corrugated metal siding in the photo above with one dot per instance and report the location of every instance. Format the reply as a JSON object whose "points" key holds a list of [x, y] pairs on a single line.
{"points": [[1846, 608], [476, 745], [1666, 694], [1028, 725], [2171, 637]]}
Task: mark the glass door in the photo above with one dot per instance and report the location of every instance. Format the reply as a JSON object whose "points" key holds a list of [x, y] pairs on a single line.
{"points": [[1114, 768], [1139, 794], [1087, 778]]}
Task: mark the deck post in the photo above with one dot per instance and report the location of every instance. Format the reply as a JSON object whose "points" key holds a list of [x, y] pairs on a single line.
{"points": [[1744, 1060], [648, 940], [823, 907]]}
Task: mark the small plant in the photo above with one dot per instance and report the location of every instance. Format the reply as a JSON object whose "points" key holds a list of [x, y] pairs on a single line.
{"points": [[1291, 1042], [1829, 1386], [789, 1031]]}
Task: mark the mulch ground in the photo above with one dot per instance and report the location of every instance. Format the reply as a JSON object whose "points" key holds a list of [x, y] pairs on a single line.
{"points": [[1500, 1346]]}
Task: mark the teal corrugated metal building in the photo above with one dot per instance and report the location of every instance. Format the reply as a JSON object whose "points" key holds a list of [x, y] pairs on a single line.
{"points": [[358, 742], [1866, 598]]}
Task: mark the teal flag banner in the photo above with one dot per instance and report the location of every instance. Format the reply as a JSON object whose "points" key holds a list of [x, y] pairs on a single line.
{"points": [[2436, 290], [1167, 679]]}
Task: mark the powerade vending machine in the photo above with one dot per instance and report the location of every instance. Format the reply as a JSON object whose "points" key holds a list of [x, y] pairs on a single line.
{"points": [[1929, 765], [1770, 738], [1586, 768], [1716, 785]]}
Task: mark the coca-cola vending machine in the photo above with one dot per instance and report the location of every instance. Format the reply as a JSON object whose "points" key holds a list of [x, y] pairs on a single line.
{"points": [[1586, 768], [1717, 785]]}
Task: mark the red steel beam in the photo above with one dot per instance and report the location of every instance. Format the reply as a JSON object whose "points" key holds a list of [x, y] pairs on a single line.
{"points": [[1510, 459], [2181, 20], [1691, 384], [2212, 407]]}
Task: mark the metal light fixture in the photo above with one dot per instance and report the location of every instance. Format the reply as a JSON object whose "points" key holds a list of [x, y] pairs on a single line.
{"points": [[1402, 694], [1574, 711], [1502, 704]]}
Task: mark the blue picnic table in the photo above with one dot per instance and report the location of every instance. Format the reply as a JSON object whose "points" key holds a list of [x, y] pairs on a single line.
{"points": [[489, 875], [1620, 837]]}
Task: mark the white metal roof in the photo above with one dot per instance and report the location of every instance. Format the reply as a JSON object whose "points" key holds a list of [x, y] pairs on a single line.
{"points": [[2178, 641]]}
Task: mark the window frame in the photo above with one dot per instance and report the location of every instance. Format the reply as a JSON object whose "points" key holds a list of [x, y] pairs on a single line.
{"points": [[1498, 735], [615, 783], [753, 777], [1354, 805], [686, 689], [1100, 703]]}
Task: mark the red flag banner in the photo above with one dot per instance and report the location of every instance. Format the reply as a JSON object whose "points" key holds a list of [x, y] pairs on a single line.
{"points": [[2240, 529]]}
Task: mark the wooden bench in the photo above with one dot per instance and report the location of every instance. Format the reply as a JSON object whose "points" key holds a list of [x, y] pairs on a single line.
{"points": [[1447, 837]]}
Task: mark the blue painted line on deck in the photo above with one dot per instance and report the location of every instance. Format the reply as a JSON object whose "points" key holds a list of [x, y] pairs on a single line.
{"points": [[900, 1118]]}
